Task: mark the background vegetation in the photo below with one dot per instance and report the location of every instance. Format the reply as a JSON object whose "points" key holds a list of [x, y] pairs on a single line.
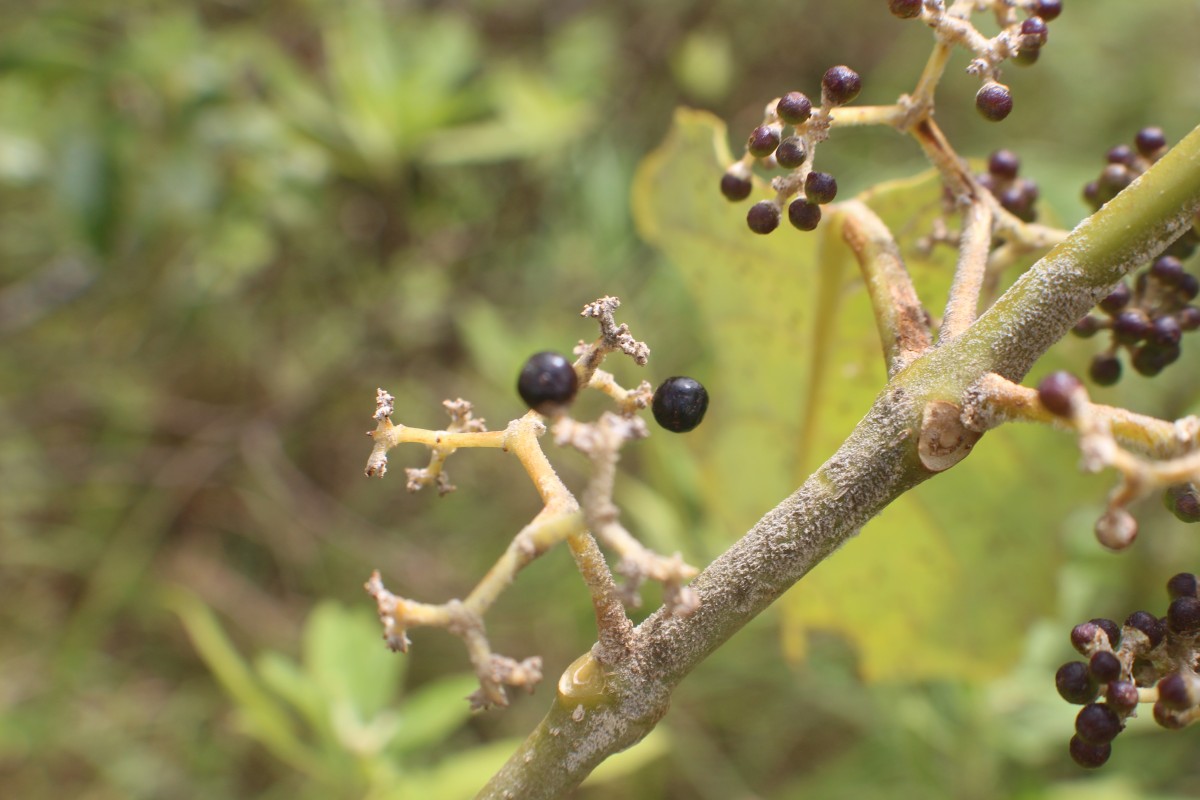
{"points": [[223, 224]]}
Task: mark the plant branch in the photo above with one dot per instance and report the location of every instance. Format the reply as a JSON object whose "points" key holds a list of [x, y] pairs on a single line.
{"points": [[876, 464], [902, 321]]}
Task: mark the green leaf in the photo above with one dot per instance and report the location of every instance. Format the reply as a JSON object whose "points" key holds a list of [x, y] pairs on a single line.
{"points": [[944, 582], [347, 661], [430, 714]]}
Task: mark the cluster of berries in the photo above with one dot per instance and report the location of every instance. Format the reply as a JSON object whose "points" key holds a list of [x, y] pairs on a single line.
{"points": [[1016, 195], [1148, 660], [1149, 320], [804, 189], [994, 99], [548, 383], [1123, 164]]}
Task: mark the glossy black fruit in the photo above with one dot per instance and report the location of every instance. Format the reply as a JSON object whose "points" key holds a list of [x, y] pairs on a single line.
{"points": [[547, 382], [679, 404]]}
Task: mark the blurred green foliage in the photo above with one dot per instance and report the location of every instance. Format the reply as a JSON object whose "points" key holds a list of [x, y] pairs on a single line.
{"points": [[223, 223]]}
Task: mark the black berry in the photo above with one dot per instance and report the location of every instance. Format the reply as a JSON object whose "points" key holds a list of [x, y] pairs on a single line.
{"points": [[1111, 630], [1151, 359], [763, 141], [679, 404], [1117, 299], [906, 9], [1104, 666], [1185, 584], [1075, 683], [1174, 692], [1087, 327], [1048, 9], [547, 382], [840, 85], [1148, 624], [1004, 164], [1183, 615], [820, 188], [1165, 331], [994, 101], [735, 187], [791, 152], [1131, 326], [1150, 140], [1097, 724], [1188, 286], [1089, 755], [1057, 390], [763, 217], [1083, 636], [1167, 269], [804, 215], [794, 108], [1183, 500], [1189, 318], [1120, 154], [1034, 29], [1122, 696], [1105, 370], [1168, 718]]}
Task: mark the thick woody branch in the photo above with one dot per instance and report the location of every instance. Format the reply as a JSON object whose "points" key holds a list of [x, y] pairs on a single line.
{"points": [[875, 465]]}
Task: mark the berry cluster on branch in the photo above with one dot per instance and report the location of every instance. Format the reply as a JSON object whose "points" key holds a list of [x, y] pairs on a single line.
{"points": [[1150, 660], [548, 383]]}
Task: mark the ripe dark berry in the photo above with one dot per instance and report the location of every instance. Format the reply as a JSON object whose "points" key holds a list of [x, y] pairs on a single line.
{"points": [[994, 101], [1075, 683], [1189, 318], [763, 217], [679, 404], [1167, 269], [1183, 615], [1150, 140], [1175, 692], [1091, 194], [735, 187], [1165, 331], [820, 188], [547, 382], [1028, 54], [1171, 720], [1004, 164], [1122, 696], [1087, 327], [1117, 299], [804, 215], [1183, 500], [1111, 630], [1188, 287], [794, 108], [1185, 584], [1104, 666], [1120, 154], [1057, 392], [1034, 29], [1097, 724], [1048, 9], [1083, 635], [906, 9], [1151, 359], [1148, 624], [1105, 370], [1131, 326], [791, 152], [1087, 755], [1114, 178], [763, 141], [840, 85]]}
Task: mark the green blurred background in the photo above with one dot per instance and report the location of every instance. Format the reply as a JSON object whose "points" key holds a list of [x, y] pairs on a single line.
{"points": [[223, 224]]}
